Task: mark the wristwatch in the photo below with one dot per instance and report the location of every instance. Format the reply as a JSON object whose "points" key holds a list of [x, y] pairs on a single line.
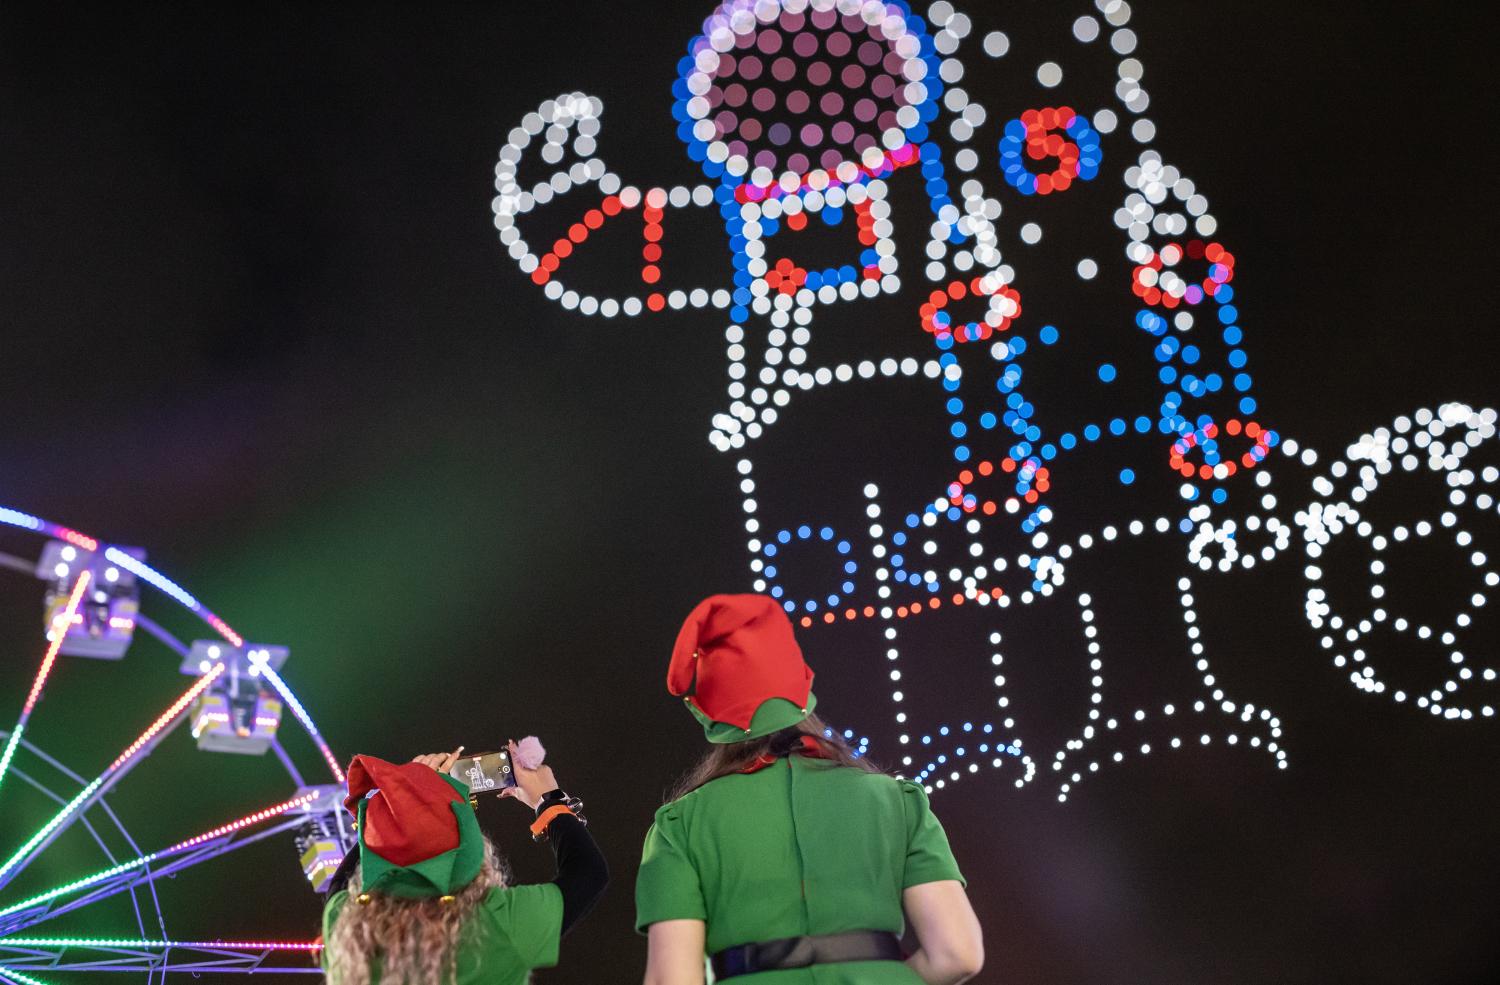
{"points": [[552, 804]]}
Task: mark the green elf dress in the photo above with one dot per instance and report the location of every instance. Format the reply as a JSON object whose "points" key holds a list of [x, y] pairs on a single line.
{"points": [[796, 846]]}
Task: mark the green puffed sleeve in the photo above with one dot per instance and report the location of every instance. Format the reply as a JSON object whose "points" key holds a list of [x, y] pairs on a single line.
{"points": [[928, 857], [667, 887]]}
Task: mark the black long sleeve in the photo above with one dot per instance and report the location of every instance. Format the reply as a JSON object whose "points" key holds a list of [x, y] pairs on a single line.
{"points": [[582, 873], [343, 873]]}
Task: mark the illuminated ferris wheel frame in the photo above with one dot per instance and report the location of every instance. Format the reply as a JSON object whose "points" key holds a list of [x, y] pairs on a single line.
{"points": [[24, 945]]}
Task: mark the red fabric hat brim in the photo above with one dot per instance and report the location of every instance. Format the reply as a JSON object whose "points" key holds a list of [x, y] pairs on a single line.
{"points": [[409, 818]]}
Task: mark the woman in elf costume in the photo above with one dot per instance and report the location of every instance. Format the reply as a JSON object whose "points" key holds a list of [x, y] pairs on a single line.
{"points": [[427, 903], [784, 858]]}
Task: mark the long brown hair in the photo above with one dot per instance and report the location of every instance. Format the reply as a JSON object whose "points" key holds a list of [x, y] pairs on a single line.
{"points": [[416, 940], [733, 757]]}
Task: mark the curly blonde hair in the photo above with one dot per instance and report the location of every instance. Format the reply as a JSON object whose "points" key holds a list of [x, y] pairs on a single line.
{"points": [[416, 940]]}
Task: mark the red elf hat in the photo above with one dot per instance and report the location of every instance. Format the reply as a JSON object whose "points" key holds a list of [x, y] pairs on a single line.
{"points": [[418, 836], [739, 669]]}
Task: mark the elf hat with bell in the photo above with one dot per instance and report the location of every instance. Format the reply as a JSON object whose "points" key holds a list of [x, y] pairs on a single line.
{"points": [[418, 836], [739, 670]]}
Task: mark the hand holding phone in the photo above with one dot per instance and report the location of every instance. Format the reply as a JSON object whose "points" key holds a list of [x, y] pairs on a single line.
{"points": [[529, 785], [484, 772]]}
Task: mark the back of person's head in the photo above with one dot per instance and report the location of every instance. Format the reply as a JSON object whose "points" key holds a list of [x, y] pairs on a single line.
{"points": [[737, 666], [424, 867], [415, 939]]}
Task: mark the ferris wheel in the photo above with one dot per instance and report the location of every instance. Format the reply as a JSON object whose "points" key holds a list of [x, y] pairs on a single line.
{"points": [[233, 701]]}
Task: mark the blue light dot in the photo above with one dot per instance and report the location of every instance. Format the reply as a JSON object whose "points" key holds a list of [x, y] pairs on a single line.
{"points": [[1127, 476], [1106, 372]]}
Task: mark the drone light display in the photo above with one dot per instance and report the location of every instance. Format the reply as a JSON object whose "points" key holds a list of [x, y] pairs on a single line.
{"points": [[862, 115]]}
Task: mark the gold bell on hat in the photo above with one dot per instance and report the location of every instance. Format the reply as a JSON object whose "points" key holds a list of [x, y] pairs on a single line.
{"points": [[445, 900], [362, 899]]}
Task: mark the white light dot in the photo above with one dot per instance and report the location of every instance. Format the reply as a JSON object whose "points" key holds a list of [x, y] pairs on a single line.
{"points": [[1031, 233], [1087, 269], [1049, 74], [996, 44]]}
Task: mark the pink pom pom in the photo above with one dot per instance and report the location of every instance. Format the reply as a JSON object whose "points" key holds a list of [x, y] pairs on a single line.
{"points": [[529, 753]]}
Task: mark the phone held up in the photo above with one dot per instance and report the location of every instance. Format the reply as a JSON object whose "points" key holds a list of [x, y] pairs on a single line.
{"points": [[484, 772]]}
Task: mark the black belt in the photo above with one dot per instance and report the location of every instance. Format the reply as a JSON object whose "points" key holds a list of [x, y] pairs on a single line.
{"points": [[799, 952]]}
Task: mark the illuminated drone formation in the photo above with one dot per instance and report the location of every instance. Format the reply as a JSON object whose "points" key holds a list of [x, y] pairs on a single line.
{"points": [[804, 113], [234, 704]]}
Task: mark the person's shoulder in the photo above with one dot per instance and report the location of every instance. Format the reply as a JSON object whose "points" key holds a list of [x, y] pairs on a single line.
{"points": [[673, 811]]}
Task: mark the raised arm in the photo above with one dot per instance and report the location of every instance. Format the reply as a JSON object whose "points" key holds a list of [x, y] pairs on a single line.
{"points": [[582, 873], [950, 948]]}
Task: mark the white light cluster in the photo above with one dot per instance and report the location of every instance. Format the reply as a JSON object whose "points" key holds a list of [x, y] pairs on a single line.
{"points": [[1442, 445], [572, 121], [1207, 716]]}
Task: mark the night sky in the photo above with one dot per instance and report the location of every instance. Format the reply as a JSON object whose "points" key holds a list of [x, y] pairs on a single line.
{"points": [[257, 321]]}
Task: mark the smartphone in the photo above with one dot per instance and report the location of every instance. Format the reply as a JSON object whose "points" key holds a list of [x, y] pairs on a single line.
{"points": [[485, 771]]}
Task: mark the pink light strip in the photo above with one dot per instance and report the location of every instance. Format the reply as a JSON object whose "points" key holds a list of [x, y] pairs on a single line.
{"points": [[118, 942], [244, 822], [60, 629], [172, 712]]}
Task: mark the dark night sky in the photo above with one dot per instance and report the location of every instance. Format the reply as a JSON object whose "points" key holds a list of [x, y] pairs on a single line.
{"points": [[256, 320]]}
